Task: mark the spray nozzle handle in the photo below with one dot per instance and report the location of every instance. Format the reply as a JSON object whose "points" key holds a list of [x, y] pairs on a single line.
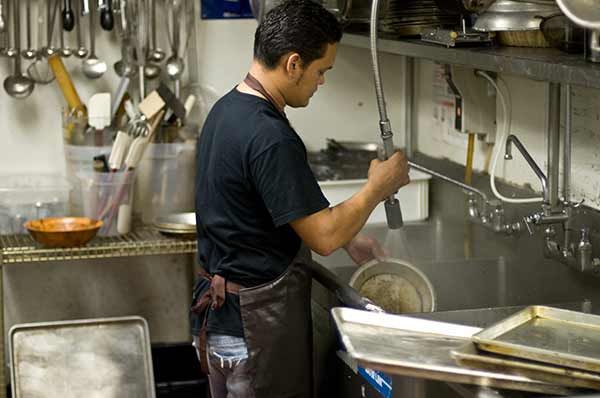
{"points": [[393, 213]]}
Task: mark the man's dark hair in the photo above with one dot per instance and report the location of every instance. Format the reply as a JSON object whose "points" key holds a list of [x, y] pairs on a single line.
{"points": [[302, 26]]}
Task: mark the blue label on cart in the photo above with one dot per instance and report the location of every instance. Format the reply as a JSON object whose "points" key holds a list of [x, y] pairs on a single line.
{"points": [[379, 380]]}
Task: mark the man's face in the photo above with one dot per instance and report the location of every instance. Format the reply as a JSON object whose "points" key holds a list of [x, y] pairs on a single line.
{"points": [[309, 78]]}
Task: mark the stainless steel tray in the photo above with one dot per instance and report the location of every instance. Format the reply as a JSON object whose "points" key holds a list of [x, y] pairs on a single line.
{"points": [[177, 223], [546, 334], [422, 348], [469, 355], [94, 357]]}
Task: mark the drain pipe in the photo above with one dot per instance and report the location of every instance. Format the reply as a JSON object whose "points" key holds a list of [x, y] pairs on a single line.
{"points": [[392, 205]]}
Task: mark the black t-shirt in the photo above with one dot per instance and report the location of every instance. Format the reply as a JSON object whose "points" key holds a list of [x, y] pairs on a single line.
{"points": [[253, 179]]}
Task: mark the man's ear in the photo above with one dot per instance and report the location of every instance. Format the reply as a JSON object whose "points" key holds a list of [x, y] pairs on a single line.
{"points": [[293, 66]]}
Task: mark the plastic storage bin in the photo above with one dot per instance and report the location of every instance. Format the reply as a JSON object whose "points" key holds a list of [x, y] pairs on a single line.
{"points": [[165, 181], [414, 198], [29, 197], [108, 197]]}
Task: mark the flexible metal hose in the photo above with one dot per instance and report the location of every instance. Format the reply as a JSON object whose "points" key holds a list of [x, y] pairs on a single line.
{"points": [[392, 205]]}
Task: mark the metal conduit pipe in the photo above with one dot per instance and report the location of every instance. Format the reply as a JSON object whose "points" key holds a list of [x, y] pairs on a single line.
{"points": [[567, 146], [392, 205], [409, 106], [567, 170], [553, 115]]}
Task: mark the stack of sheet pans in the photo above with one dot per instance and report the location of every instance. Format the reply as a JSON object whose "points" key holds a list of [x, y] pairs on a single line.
{"points": [[402, 17], [550, 344], [539, 349]]}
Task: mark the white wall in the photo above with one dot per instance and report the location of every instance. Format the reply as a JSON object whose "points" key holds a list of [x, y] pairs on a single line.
{"points": [[344, 108], [529, 124]]}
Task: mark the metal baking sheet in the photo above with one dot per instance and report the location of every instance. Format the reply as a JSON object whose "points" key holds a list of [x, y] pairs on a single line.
{"points": [[546, 334], [469, 355], [107, 358], [422, 348], [182, 222]]}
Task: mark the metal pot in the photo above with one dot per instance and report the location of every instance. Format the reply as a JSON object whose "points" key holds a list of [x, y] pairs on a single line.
{"points": [[510, 15], [395, 285], [464, 6]]}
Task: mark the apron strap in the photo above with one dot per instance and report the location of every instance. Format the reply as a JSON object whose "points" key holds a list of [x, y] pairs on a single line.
{"points": [[254, 84], [218, 287]]}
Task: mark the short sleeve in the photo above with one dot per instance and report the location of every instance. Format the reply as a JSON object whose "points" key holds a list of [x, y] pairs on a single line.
{"points": [[286, 183]]}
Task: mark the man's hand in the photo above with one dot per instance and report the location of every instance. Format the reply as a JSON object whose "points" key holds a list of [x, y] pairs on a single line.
{"points": [[363, 249], [386, 177]]}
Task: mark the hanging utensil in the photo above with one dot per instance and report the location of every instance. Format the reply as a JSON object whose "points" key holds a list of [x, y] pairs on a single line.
{"points": [[17, 85], [93, 67], [64, 50], [39, 70], [151, 69], [107, 20], [29, 52], [175, 64], [157, 54], [2, 19], [68, 18], [139, 32], [123, 67], [10, 50], [81, 51], [51, 18], [85, 7]]}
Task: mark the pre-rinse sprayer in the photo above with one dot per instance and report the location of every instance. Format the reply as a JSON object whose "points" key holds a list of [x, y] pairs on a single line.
{"points": [[392, 205]]}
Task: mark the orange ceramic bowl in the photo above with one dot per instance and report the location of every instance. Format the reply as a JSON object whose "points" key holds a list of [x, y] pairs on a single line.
{"points": [[63, 231]]}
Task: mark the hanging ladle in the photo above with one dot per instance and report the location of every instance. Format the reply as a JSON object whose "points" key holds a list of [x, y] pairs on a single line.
{"points": [[93, 67], [17, 85], [151, 69], [175, 65]]}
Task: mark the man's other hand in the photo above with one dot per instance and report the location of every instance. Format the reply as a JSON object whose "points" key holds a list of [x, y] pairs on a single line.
{"points": [[363, 249]]}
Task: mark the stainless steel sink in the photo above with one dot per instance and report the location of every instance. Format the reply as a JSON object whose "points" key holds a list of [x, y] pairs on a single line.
{"points": [[471, 268]]}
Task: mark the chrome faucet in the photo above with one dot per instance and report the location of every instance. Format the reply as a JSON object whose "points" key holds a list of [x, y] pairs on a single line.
{"points": [[578, 256], [548, 215], [536, 169]]}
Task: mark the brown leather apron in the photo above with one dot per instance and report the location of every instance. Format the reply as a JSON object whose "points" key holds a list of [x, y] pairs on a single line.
{"points": [[277, 321], [278, 331]]}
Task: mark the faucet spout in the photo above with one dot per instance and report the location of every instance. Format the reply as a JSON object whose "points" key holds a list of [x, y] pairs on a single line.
{"points": [[512, 139]]}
